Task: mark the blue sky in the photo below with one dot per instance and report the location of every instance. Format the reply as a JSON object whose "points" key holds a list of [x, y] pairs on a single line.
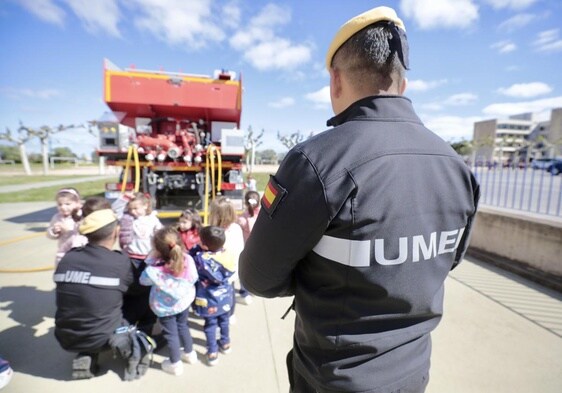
{"points": [[470, 59]]}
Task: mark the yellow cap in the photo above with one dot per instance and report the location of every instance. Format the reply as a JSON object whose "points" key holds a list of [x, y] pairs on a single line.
{"points": [[97, 220], [359, 22]]}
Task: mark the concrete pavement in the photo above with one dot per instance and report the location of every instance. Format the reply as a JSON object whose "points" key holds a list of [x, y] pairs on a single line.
{"points": [[499, 333]]}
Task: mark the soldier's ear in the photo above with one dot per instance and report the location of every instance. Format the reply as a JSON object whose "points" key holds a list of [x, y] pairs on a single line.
{"points": [[403, 86], [336, 90], [335, 83]]}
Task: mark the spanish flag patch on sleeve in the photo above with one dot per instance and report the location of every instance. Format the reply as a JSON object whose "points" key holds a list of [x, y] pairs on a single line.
{"points": [[272, 196]]}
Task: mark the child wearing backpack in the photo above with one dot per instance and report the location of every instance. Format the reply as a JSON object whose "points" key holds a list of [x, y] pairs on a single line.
{"points": [[172, 274]]}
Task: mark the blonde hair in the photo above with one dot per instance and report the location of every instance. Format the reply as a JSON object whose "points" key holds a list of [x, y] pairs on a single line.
{"points": [[144, 199], [168, 243], [222, 213]]}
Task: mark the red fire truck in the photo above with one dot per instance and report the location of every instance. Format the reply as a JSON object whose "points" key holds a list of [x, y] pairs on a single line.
{"points": [[176, 136]]}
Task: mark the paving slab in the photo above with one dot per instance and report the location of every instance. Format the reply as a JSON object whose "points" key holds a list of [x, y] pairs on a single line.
{"points": [[499, 333]]}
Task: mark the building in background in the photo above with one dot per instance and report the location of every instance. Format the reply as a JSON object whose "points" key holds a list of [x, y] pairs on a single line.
{"points": [[519, 138]]}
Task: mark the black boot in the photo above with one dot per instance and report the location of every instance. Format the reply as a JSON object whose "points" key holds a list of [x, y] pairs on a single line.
{"points": [[84, 366]]}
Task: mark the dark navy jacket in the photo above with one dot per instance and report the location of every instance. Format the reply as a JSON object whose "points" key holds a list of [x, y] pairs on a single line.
{"points": [[214, 292], [91, 283], [362, 223]]}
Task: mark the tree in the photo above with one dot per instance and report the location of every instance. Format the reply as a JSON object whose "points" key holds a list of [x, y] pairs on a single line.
{"points": [[483, 149], [62, 152], [35, 158], [44, 133], [463, 148], [252, 141], [268, 155], [291, 140], [10, 153], [23, 136]]}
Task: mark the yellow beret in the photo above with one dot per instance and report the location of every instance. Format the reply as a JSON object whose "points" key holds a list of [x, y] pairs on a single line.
{"points": [[97, 220], [359, 22]]}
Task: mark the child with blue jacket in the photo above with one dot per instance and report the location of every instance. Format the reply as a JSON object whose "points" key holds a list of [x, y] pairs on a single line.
{"points": [[172, 274], [214, 294]]}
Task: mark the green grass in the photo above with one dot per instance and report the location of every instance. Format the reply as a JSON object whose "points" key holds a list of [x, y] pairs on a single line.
{"points": [[23, 179], [86, 189], [261, 180], [38, 168]]}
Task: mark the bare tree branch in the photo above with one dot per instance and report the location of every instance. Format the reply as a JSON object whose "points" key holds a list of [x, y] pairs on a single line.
{"points": [[291, 140]]}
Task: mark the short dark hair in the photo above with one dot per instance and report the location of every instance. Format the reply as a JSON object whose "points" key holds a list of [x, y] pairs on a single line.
{"points": [[368, 60], [102, 234], [212, 237], [89, 206]]}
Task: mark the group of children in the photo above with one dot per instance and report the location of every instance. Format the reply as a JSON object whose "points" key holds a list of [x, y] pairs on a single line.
{"points": [[177, 268]]}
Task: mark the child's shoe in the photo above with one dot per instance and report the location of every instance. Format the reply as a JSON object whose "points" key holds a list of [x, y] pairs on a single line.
{"points": [[212, 358], [225, 348], [6, 373], [247, 300], [172, 368], [190, 357]]}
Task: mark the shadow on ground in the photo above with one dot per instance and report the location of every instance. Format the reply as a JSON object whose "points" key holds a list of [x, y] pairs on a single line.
{"points": [[30, 346], [38, 216]]}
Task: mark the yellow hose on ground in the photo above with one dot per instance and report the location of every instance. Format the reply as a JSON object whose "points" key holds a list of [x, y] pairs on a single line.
{"points": [[31, 270]]}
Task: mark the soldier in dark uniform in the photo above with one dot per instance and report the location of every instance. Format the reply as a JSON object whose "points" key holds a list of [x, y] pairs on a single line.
{"points": [[91, 282], [362, 224]]}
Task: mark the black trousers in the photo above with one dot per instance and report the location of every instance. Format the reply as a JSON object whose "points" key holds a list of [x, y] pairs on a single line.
{"points": [[136, 308], [297, 381], [300, 385]]}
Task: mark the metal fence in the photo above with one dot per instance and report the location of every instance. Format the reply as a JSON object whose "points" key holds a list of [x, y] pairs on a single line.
{"points": [[525, 189]]}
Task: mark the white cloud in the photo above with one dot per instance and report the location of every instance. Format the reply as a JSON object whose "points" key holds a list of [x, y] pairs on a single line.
{"points": [[191, 23], [461, 99], [277, 54], [45, 10], [430, 14], [516, 22], [432, 106], [282, 103], [511, 4], [451, 127], [231, 15], [272, 15], [44, 94], [525, 90], [99, 15], [548, 41], [263, 48], [513, 108], [504, 46], [421, 85], [321, 98]]}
